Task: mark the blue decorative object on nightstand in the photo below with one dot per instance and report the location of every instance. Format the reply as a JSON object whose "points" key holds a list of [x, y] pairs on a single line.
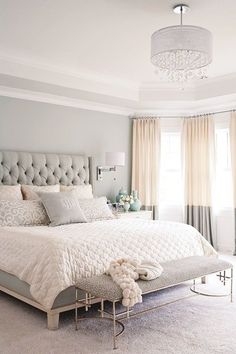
{"points": [[136, 205], [122, 191]]}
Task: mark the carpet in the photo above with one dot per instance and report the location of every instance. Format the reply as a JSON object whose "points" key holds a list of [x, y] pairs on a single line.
{"points": [[196, 325]]}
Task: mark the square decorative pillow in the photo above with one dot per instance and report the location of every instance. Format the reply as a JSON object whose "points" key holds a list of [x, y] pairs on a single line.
{"points": [[30, 192], [96, 209], [10, 192], [22, 213], [84, 191], [62, 208]]}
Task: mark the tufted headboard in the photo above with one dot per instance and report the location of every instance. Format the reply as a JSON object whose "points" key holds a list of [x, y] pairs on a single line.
{"points": [[43, 169]]}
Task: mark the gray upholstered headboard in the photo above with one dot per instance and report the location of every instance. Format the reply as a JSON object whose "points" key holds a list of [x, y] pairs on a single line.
{"points": [[43, 169]]}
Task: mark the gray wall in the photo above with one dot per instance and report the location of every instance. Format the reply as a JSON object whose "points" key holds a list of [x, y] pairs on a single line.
{"points": [[41, 127]]}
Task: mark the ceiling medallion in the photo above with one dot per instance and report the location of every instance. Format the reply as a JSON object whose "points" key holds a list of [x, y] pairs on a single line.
{"points": [[182, 52]]}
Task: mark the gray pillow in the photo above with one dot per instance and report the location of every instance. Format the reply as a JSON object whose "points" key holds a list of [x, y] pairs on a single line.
{"points": [[62, 208]]}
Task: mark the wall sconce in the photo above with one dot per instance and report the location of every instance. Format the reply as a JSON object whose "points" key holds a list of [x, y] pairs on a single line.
{"points": [[112, 159]]}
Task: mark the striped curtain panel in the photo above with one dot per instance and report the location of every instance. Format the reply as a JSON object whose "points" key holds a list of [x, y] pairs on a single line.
{"points": [[232, 134], [145, 161], [198, 160]]}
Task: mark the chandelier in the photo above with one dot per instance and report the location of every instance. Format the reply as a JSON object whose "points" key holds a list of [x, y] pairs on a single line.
{"points": [[182, 52]]}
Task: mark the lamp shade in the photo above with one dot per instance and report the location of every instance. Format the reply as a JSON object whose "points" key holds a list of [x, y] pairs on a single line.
{"points": [[115, 158]]}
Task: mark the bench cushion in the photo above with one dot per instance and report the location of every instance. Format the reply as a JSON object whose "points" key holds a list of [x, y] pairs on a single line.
{"points": [[174, 272]]}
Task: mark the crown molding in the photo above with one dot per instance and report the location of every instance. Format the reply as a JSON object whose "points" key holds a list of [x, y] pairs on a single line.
{"points": [[188, 108], [37, 96], [52, 74], [112, 95], [160, 108]]}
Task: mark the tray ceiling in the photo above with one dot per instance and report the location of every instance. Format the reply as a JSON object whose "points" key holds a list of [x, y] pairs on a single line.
{"points": [[108, 38]]}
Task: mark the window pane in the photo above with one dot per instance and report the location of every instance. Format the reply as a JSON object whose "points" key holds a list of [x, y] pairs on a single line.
{"points": [[171, 191], [223, 185]]}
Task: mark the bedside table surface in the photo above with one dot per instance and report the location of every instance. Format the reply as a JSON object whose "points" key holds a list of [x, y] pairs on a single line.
{"points": [[142, 214]]}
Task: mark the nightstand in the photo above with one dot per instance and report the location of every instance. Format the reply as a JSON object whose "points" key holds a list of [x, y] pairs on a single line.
{"points": [[142, 214]]}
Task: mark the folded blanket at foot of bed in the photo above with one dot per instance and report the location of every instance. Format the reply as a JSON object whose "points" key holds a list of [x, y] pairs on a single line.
{"points": [[124, 272]]}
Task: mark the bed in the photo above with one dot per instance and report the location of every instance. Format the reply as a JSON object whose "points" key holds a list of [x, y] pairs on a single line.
{"points": [[40, 265]]}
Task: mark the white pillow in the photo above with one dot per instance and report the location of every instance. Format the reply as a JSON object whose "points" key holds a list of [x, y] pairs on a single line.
{"points": [[84, 191], [10, 192], [96, 209], [30, 192], [22, 213]]}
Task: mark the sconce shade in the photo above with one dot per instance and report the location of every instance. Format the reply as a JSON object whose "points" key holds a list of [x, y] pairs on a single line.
{"points": [[115, 159]]}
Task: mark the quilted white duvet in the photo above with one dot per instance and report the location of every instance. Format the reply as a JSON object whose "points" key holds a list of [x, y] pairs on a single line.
{"points": [[52, 259]]}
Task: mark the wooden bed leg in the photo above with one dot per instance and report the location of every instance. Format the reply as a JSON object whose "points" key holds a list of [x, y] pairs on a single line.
{"points": [[53, 320], [204, 280]]}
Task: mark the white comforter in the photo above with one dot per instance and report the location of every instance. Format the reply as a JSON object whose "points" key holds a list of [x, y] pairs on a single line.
{"points": [[52, 259]]}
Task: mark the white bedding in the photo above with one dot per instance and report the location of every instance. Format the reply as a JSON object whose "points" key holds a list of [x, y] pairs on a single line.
{"points": [[52, 259]]}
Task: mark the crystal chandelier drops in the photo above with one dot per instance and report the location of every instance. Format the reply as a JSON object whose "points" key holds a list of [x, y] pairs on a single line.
{"points": [[182, 52]]}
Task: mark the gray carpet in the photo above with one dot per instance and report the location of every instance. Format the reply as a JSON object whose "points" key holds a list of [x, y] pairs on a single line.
{"points": [[198, 325]]}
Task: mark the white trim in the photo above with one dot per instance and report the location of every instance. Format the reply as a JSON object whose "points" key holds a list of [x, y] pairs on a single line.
{"points": [[52, 74], [185, 108], [121, 96], [174, 107], [63, 101]]}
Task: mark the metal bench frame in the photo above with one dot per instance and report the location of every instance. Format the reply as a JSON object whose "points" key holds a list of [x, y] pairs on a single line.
{"points": [[116, 318]]}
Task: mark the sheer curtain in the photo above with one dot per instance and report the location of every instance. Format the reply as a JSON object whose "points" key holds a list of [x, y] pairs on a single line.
{"points": [[145, 161], [198, 161], [232, 134]]}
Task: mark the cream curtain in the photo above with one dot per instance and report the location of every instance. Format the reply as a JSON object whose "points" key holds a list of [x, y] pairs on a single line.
{"points": [[145, 160], [232, 134], [198, 161]]}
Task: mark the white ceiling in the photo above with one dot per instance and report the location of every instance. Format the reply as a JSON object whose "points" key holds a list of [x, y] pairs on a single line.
{"points": [[108, 37]]}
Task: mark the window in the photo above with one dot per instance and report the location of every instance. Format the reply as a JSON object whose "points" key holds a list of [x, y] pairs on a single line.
{"points": [[171, 193], [223, 183], [171, 189]]}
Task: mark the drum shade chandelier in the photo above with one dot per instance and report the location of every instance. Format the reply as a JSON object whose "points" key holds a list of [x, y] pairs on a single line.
{"points": [[182, 52]]}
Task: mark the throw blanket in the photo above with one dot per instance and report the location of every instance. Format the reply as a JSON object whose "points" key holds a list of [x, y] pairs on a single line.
{"points": [[51, 259], [124, 272]]}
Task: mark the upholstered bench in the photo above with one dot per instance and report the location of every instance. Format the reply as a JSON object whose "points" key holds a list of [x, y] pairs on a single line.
{"points": [[175, 272]]}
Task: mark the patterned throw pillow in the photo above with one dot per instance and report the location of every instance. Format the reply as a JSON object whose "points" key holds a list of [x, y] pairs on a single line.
{"points": [[30, 192], [22, 213], [84, 191], [10, 192], [96, 209]]}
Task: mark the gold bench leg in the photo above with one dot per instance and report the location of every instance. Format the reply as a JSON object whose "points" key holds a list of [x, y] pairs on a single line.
{"points": [[102, 308], [76, 309], [114, 325]]}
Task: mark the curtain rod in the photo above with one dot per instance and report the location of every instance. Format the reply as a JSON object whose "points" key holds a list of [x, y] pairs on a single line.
{"points": [[185, 116]]}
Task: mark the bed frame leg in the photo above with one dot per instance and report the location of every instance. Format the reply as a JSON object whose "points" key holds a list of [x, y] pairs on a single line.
{"points": [[204, 280], [53, 320]]}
